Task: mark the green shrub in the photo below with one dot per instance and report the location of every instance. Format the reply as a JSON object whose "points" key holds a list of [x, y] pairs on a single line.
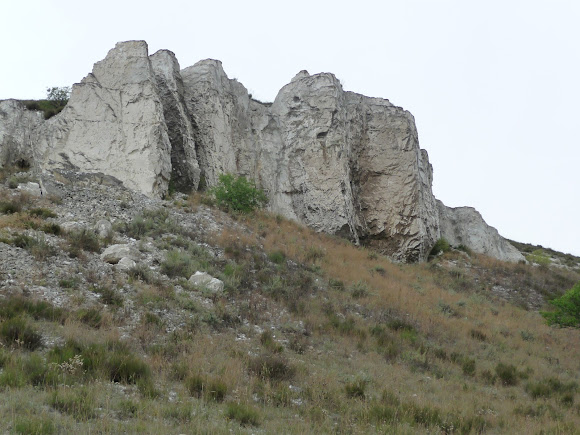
{"points": [[78, 403], [550, 386], [10, 207], [16, 305], [84, 239], [213, 390], [478, 335], [151, 223], [567, 309], [126, 368], [238, 194], [181, 412], [51, 228], [271, 367], [36, 425], [69, 283], [441, 245], [17, 331], [359, 289], [141, 272], [507, 374], [243, 414], [277, 257], [109, 296], [38, 247], [178, 263], [468, 366], [43, 213], [90, 316], [356, 389], [269, 343], [538, 256]]}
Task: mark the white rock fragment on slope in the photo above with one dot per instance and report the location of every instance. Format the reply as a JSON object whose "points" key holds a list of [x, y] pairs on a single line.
{"points": [[125, 263], [114, 253], [31, 188], [103, 228], [203, 279]]}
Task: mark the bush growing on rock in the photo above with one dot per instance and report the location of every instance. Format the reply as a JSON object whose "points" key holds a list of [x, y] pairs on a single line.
{"points": [[442, 245], [238, 194]]}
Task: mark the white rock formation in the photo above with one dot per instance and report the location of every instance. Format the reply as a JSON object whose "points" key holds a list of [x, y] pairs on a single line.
{"points": [[125, 264], [205, 280], [113, 124], [339, 162], [103, 228], [465, 226], [17, 133], [336, 161], [114, 253], [30, 188], [185, 168]]}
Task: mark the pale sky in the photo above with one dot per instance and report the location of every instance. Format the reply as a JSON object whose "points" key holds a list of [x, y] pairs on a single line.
{"points": [[494, 85]]}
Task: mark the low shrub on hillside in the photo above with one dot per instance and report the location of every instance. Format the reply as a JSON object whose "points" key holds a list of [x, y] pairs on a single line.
{"points": [[442, 245], [17, 331], [567, 309], [243, 414], [238, 194]]}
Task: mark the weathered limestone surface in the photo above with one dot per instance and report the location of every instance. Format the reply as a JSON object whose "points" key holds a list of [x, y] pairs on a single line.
{"points": [[17, 133], [185, 168], [465, 226], [113, 124], [337, 161]]}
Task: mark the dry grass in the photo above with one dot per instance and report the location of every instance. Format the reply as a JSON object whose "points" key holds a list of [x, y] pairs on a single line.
{"points": [[362, 345]]}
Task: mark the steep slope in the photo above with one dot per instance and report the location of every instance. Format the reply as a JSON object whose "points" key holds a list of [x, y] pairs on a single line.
{"points": [[310, 334]]}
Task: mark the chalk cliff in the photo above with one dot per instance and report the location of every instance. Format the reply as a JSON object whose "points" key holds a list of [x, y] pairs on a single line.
{"points": [[338, 161]]}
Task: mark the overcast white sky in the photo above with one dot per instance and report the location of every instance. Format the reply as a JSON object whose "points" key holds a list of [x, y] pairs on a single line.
{"points": [[494, 85]]}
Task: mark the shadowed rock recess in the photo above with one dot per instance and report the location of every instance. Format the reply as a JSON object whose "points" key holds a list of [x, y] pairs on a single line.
{"points": [[337, 161]]}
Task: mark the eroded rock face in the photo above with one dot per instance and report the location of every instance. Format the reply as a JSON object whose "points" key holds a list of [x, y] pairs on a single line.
{"points": [[184, 166], [17, 133], [465, 226], [337, 161], [113, 124]]}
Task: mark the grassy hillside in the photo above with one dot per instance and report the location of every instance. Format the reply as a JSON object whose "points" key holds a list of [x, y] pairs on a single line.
{"points": [[310, 335]]}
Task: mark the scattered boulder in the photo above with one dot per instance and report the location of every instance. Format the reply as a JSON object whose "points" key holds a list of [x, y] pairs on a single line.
{"points": [[30, 188], [103, 228], [125, 264], [114, 253], [71, 226], [203, 279], [465, 226]]}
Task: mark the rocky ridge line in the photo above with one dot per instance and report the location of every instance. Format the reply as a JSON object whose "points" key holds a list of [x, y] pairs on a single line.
{"points": [[338, 161]]}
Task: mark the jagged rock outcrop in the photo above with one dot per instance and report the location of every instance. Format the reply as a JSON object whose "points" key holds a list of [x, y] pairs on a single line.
{"points": [[17, 133], [465, 226], [113, 124], [184, 166], [337, 161]]}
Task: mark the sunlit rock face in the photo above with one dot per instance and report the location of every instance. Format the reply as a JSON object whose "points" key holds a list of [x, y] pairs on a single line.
{"points": [[113, 124], [337, 161]]}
